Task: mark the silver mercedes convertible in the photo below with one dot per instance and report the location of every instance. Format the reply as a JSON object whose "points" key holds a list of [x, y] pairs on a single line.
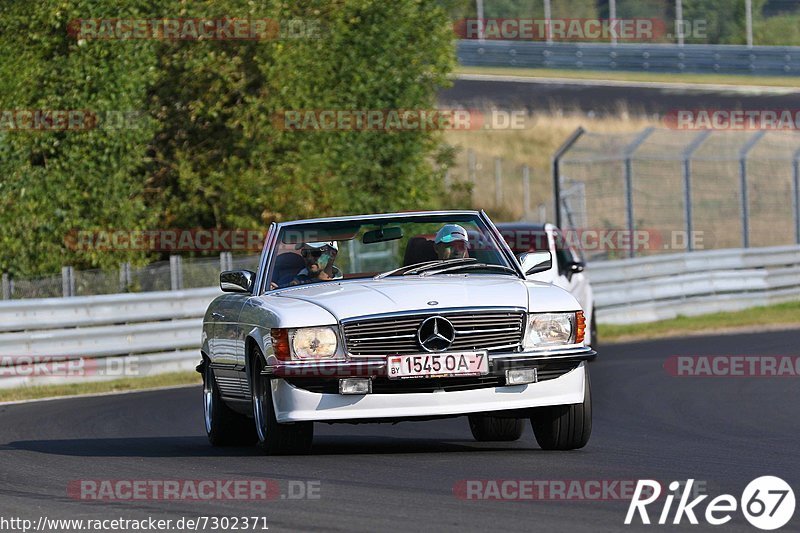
{"points": [[393, 317]]}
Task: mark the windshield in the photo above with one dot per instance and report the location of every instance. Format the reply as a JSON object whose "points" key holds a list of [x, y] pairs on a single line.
{"points": [[379, 248]]}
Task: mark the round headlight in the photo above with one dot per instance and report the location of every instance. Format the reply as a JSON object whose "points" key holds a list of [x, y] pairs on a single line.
{"points": [[549, 329], [314, 343]]}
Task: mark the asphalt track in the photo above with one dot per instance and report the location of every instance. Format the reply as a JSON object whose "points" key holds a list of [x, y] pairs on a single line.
{"points": [[647, 424], [610, 99]]}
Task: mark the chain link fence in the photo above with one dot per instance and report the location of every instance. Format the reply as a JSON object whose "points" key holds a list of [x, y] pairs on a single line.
{"points": [[720, 189], [176, 274]]}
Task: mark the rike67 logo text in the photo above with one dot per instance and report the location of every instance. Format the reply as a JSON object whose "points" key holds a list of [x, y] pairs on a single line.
{"points": [[767, 503]]}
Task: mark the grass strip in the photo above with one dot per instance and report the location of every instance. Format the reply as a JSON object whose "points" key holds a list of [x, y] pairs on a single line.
{"points": [[94, 387], [785, 314]]}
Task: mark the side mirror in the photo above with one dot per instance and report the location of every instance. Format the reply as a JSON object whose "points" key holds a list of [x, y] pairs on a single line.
{"points": [[535, 262], [577, 266], [237, 281]]}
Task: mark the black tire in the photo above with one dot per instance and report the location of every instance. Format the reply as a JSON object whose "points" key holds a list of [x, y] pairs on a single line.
{"points": [[275, 438], [224, 426], [492, 429], [593, 340], [564, 427]]}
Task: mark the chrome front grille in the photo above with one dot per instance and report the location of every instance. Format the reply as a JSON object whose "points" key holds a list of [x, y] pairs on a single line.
{"points": [[484, 330]]}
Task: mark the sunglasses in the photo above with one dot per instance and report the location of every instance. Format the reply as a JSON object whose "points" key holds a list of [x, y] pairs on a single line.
{"points": [[306, 252]]}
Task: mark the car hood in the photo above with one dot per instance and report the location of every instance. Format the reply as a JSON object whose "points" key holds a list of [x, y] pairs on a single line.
{"points": [[356, 298]]}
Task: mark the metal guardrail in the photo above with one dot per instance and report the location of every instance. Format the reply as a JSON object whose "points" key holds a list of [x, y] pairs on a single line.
{"points": [[160, 331], [699, 58], [653, 288], [92, 338]]}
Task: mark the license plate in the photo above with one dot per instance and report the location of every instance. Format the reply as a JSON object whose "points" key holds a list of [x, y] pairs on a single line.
{"points": [[437, 365]]}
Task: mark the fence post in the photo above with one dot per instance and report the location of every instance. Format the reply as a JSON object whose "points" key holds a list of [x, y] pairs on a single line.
{"points": [[124, 276], [67, 281], [176, 272], [751, 142], [498, 182], [225, 261], [6, 287], [796, 194], [556, 167], [687, 184], [629, 151], [526, 191], [472, 172]]}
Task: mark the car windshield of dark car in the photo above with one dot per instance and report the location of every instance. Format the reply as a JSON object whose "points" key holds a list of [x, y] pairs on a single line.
{"points": [[523, 240], [329, 251]]}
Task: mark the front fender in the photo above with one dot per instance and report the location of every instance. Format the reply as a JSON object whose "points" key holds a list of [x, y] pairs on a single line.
{"points": [[548, 298]]}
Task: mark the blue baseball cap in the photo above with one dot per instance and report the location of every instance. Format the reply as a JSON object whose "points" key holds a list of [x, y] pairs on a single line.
{"points": [[451, 233]]}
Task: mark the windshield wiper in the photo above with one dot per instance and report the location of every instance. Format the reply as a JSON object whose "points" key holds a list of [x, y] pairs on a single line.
{"points": [[404, 269], [470, 266], [425, 265]]}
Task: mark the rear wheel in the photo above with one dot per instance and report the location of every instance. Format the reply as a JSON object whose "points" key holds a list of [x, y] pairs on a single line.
{"points": [[564, 427], [224, 426], [491, 428], [275, 438]]}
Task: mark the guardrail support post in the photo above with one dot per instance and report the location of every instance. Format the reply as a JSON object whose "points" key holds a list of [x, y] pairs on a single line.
{"points": [[687, 184], [498, 182], [556, 167], [526, 191], [749, 145], [225, 261], [472, 171], [6, 287], [124, 276], [67, 281], [629, 151], [176, 272], [796, 194]]}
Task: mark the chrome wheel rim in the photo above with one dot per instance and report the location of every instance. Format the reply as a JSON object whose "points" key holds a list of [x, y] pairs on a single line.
{"points": [[259, 400], [208, 399]]}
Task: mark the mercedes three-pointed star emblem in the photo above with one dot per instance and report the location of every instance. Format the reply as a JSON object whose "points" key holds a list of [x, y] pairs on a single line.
{"points": [[436, 334]]}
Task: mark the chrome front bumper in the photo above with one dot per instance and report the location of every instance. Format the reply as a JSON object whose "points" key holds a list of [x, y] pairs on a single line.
{"points": [[376, 367], [293, 404]]}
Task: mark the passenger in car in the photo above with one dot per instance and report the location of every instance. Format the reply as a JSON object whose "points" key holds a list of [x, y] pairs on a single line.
{"points": [[319, 258], [451, 242]]}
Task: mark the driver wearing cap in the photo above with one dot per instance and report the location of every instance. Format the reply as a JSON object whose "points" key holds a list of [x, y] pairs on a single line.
{"points": [[451, 242], [319, 258]]}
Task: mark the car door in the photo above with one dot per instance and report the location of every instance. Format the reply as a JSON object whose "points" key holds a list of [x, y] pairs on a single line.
{"points": [[228, 342], [575, 282]]}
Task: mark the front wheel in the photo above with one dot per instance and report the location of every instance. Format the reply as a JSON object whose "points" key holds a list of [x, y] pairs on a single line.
{"points": [[564, 427], [224, 426], [493, 429], [275, 438]]}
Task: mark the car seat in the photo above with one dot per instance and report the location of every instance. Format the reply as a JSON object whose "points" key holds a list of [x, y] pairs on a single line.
{"points": [[287, 265], [419, 250]]}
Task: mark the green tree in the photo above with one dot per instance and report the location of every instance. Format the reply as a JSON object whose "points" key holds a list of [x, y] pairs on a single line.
{"points": [[725, 19], [205, 151], [54, 182]]}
